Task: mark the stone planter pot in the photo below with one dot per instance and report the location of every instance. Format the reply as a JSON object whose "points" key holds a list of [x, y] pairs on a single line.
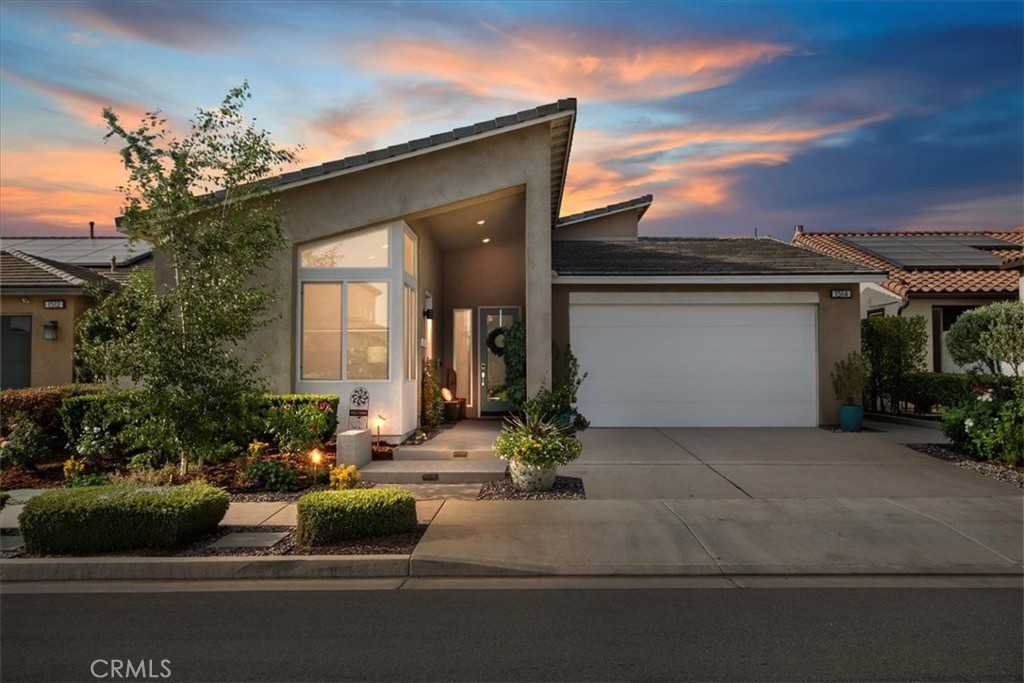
{"points": [[532, 477]]}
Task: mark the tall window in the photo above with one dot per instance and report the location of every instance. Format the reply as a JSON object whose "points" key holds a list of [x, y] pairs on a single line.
{"points": [[321, 331], [411, 330], [462, 360], [362, 341]]}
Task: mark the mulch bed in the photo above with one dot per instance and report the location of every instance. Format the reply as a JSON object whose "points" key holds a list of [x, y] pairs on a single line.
{"points": [[398, 544], [1000, 471], [565, 488]]}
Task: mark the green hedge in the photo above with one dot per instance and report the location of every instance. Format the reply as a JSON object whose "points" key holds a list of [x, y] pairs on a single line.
{"points": [[278, 400], [103, 519], [330, 516], [927, 390], [40, 404]]}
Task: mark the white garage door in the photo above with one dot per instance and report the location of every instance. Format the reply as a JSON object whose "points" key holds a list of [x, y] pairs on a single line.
{"points": [[675, 365]]}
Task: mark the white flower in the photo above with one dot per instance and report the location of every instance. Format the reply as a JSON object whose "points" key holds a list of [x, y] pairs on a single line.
{"points": [[968, 423], [986, 397]]}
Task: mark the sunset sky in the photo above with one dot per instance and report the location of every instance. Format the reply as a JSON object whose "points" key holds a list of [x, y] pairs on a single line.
{"points": [[736, 116]]}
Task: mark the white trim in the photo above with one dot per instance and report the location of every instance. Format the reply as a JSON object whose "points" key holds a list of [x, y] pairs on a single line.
{"points": [[714, 279], [582, 219], [426, 150], [691, 298]]}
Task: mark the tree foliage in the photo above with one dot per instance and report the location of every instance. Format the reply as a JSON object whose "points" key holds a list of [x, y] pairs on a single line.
{"points": [[895, 347], [985, 338], [202, 201]]}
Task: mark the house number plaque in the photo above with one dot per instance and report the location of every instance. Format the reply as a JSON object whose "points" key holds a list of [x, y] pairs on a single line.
{"points": [[53, 303], [841, 293]]}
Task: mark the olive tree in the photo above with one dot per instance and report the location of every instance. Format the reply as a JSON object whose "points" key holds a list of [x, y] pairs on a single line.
{"points": [[989, 338], [201, 199]]}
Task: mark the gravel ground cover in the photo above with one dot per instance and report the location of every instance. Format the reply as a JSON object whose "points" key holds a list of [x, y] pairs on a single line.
{"points": [[565, 488], [1001, 471]]}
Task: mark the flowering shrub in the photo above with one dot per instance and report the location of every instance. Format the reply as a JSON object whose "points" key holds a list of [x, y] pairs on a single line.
{"points": [[344, 477], [986, 427], [95, 443], [25, 446], [534, 440], [272, 475], [298, 427]]}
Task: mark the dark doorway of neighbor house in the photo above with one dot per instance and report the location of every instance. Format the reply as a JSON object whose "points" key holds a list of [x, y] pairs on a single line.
{"points": [[15, 351]]}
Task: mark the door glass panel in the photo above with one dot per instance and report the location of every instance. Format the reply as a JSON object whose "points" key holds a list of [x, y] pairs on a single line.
{"points": [[366, 325], [411, 315], [493, 396], [321, 331], [463, 354]]}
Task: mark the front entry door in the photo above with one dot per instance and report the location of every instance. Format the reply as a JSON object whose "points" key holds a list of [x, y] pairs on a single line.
{"points": [[492, 367], [15, 351]]}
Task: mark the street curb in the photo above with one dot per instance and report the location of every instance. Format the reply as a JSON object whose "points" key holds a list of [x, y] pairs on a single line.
{"points": [[182, 568], [404, 566]]}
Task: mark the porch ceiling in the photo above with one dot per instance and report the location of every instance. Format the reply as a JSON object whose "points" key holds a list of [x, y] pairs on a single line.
{"points": [[456, 227]]}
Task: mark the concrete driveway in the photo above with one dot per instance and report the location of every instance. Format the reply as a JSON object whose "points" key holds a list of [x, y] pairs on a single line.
{"points": [[739, 502], [636, 464]]}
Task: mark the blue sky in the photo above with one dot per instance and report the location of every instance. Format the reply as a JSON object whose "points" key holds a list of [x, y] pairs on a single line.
{"points": [[736, 116]]}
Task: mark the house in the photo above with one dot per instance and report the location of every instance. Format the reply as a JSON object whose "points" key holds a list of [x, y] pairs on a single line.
{"points": [[935, 274], [423, 250], [46, 284]]}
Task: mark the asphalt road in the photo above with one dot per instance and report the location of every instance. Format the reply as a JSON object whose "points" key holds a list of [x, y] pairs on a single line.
{"points": [[607, 634]]}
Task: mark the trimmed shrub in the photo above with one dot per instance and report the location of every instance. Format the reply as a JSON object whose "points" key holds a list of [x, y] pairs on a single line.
{"points": [[299, 400], [26, 446], [101, 519], [895, 347], [927, 390], [329, 516], [272, 475], [4, 497], [40, 404], [984, 338]]}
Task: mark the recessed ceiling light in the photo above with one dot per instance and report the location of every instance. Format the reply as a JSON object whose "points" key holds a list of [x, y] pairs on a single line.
{"points": [[481, 222], [486, 240]]}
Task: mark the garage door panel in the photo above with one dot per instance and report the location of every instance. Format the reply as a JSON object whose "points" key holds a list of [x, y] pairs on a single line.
{"points": [[700, 414], [724, 338], [711, 388], [697, 365], [683, 364], [690, 316]]}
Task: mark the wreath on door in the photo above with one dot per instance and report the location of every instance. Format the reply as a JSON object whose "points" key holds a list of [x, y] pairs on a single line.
{"points": [[492, 341]]}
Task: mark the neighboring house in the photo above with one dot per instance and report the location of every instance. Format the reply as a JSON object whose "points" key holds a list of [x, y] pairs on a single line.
{"points": [[935, 274], [46, 284], [422, 250]]}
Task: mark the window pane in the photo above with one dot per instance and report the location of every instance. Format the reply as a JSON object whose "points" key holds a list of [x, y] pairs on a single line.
{"points": [[364, 249], [366, 322], [411, 316], [321, 331], [409, 254], [463, 361]]}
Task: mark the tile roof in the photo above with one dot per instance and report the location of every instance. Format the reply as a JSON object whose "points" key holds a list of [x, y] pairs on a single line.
{"points": [[657, 256], [18, 270], [640, 203], [909, 282]]}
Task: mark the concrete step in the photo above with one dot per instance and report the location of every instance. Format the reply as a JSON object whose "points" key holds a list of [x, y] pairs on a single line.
{"points": [[433, 471], [457, 454]]}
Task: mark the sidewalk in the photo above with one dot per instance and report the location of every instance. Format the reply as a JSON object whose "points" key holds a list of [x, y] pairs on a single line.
{"points": [[672, 502]]}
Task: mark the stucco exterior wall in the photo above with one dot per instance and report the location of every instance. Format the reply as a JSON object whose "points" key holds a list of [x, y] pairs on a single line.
{"points": [[52, 362], [489, 275], [378, 195], [838, 324], [622, 225]]}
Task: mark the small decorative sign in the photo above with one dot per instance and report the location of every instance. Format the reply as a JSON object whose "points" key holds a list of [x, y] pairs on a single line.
{"points": [[53, 303], [841, 293]]}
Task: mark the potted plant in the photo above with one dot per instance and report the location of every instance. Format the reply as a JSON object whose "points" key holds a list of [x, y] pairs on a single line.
{"points": [[849, 379], [534, 447]]}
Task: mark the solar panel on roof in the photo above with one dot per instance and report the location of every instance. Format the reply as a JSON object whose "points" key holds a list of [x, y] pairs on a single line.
{"points": [[80, 251], [983, 241], [925, 252]]}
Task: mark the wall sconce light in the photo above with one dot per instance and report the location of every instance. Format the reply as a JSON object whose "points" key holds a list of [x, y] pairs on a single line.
{"points": [[428, 314], [50, 330]]}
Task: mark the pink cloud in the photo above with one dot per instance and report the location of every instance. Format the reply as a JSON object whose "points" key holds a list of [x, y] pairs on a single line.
{"points": [[83, 105], [539, 65]]}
